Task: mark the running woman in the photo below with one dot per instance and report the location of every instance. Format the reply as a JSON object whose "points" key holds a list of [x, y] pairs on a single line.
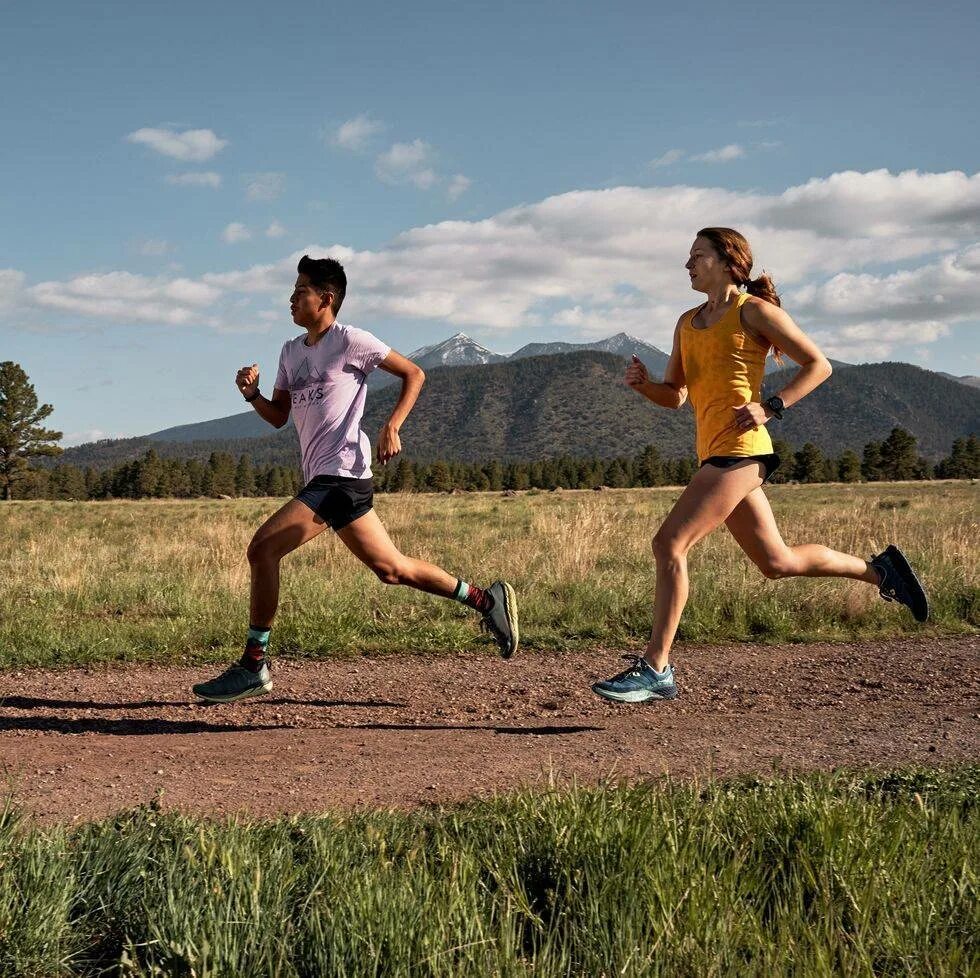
{"points": [[718, 359], [322, 383]]}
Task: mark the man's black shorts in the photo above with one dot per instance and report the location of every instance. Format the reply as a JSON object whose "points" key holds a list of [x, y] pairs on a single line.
{"points": [[769, 462], [336, 500]]}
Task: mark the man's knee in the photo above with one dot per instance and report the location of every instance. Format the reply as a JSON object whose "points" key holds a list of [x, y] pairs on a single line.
{"points": [[389, 572], [261, 551]]}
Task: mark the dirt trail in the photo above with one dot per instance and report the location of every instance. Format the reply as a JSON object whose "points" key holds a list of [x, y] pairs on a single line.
{"points": [[409, 731]]}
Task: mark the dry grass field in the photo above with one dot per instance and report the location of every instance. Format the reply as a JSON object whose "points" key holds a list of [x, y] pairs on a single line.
{"points": [[167, 580]]}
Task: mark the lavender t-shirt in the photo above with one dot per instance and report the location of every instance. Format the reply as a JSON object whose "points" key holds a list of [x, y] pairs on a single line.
{"points": [[328, 385]]}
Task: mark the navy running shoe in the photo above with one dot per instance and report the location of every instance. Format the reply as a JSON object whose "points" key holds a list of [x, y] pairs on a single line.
{"points": [[235, 683], [639, 683], [899, 583]]}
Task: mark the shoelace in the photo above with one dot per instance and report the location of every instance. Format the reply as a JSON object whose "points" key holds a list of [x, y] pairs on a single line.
{"points": [[635, 669]]}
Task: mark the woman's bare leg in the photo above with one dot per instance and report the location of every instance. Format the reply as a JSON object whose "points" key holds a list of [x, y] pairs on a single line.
{"points": [[754, 527], [705, 504]]}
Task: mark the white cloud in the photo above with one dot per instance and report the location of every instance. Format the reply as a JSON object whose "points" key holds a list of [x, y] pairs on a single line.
{"points": [[356, 133], [275, 230], [265, 186], [601, 261], [204, 178], [724, 154], [191, 145], [407, 163], [124, 297], [670, 157], [92, 434], [11, 287], [235, 233], [458, 186]]}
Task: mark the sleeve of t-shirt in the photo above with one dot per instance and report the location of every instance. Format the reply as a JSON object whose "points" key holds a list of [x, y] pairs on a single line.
{"points": [[282, 378], [365, 351]]}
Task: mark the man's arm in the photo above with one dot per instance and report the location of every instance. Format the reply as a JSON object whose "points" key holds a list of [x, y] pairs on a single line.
{"points": [[412, 377], [276, 411], [672, 393]]}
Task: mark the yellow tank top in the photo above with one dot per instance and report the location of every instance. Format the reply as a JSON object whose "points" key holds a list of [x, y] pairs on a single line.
{"points": [[723, 368]]}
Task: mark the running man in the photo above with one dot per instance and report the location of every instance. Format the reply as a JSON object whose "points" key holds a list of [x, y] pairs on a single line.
{"points": [[718, 358], [322, 383]]}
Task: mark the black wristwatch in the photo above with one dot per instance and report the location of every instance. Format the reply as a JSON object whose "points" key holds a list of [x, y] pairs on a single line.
{"points": [[774, 405], [255, 395]]}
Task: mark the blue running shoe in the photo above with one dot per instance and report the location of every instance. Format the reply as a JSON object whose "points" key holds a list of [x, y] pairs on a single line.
{"points": [[899, 583], [235, 683], [639, 683]]}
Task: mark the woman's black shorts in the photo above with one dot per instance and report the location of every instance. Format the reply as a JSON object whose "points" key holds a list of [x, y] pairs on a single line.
{"points": [[336, 500], [769, 462]]}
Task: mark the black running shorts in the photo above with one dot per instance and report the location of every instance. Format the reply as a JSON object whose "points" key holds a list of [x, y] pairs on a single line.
{"points": [[336, 500], [769, 462]]}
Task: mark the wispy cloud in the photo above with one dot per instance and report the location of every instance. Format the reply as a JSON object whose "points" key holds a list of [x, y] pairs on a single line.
{"points": [[265, 186], [668, 159], [190, 146], [724, 154], [235, 233], [275, 230], [407, 163], [203, 178], [355, 134], [153, 247], [458, 186]]}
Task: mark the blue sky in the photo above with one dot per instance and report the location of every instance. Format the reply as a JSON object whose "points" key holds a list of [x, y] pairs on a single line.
{"points": [[519, 172]]}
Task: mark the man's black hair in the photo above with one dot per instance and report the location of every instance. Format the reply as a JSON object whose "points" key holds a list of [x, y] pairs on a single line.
{"points": [[326, 275]]}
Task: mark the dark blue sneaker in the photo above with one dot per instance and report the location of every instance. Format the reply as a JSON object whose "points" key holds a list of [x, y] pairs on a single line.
{"points": [[899, 583], [235, 683], [638, 683]]}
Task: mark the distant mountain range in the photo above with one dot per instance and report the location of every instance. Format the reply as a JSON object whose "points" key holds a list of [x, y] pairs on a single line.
{"points": [[574, 402], [461, 351]]}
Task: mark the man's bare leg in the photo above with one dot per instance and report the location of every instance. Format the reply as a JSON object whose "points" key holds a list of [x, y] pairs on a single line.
{"points": [[281, 534], [368, 540], [284, 531]]}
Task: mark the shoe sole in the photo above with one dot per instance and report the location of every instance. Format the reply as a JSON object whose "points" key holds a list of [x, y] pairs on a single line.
{"points": [[510, 611], [639, 696], [905, 569], [244, 695]]}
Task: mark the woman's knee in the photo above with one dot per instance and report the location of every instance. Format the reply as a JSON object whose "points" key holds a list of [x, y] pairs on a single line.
{"points": [[776, 566], [668, 549]]}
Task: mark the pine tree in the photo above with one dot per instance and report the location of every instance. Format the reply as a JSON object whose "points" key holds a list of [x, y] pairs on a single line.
{"points": [[871, 462], [649, 467], [21, 434], [404, 480], [899, 458], [222, 468], [808, 464], [849, 467], [439, 478], [245, 484]]}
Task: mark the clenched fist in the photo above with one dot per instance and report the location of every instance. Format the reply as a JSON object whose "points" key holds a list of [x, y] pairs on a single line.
{"points": [[636, 373], [247, 380]]}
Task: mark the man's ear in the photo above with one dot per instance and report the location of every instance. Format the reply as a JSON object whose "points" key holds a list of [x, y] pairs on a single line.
{"points": [[326, 299]]}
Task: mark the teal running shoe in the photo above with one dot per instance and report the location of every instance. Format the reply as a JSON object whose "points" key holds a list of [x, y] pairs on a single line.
{"points": [[899, 583], [501, 620], [235, 683], [639, 683]]}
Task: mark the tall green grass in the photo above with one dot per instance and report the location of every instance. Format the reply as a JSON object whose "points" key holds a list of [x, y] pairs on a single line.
{"points": [[827, 875], [168, 580]]}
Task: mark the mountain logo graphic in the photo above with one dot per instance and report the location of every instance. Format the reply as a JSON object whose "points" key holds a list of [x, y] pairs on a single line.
{"points": [[305, 376]]}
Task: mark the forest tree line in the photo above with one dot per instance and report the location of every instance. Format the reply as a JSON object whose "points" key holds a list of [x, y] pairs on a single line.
{"points": [[222, 475]]}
